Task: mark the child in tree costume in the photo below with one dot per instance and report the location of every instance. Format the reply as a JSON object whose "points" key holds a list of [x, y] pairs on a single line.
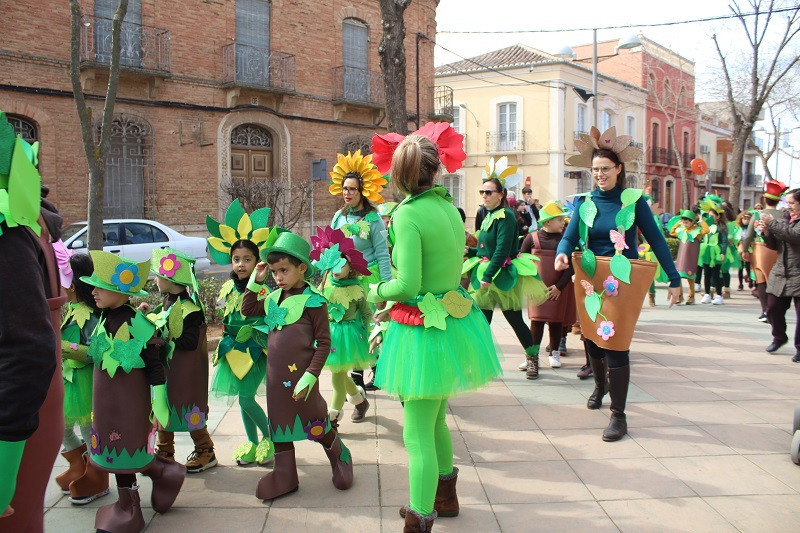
{"points": [[438, 342], [714, 250], [296, 319], [31, 386], [690, 233], [129, 386], [187, 373], [82, 481], [349, 316], [241, 355], [737, 233], [609, 278], [558, 311]]}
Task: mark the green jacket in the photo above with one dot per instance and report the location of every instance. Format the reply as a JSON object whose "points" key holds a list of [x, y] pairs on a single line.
{"points": [[498, 240]]}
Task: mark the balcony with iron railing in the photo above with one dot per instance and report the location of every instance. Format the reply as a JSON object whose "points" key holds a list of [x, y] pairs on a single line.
{"points": [[505, 141], [443, 109], [258, 68], [142, 48], [666, 156], [717, 177], [357, 86], [755, 181]]}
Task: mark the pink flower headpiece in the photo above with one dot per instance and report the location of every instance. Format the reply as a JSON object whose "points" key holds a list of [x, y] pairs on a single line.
{"points": [[448, 140], [62, 260], [330, 245]]}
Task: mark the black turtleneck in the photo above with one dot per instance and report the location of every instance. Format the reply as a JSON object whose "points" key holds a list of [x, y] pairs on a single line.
{"points": [[191, 324]]}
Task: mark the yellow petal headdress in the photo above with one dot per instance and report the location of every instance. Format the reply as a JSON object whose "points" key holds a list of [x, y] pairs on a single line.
{"points": [[238, 225], [372, 182], [507, 175]]}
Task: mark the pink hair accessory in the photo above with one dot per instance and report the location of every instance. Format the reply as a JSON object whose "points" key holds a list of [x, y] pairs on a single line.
{"points": [[62, 260]]}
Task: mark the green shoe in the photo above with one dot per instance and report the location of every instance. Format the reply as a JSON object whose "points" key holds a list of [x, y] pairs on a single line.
{"points": [[264, 451], [245, 454]]}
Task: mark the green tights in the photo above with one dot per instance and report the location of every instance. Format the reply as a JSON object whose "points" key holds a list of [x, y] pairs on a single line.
{"points": [[10, 458], [342, 383], [253, 417], [430, 450]]}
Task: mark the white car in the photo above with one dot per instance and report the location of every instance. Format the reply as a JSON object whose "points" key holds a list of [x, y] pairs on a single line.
{"points": [[135, 239]]}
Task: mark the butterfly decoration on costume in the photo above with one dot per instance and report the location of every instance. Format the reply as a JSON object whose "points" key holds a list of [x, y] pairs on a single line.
{"points": [[587, 287], [619, 240], [287, 383]]}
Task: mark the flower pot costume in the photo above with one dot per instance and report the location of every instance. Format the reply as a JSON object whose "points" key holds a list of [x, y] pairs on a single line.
{"points": [[687, 261], [31, 386], [241, 355], [183, 319], [438, 342], [609, 279], [127, 355], [763, 258], [349, 318], [296, 321]]}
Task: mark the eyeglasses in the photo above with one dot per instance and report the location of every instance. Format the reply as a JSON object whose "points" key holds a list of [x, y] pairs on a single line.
{"points": [[601, 170], [350, 189], [486, 193]]}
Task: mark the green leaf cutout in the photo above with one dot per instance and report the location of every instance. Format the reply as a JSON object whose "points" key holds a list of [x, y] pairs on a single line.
{"points": [[630, 196], [592, 304], [588, 212], [588, 263], [621, 268], [175, 320], [583, 231], [625, 217], [141, 328], [433, 312], [244, 334], [294, 306]]}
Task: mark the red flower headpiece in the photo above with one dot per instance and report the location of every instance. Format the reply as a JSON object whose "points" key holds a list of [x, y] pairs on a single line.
{"points": [[325, 239], [448, 140]]}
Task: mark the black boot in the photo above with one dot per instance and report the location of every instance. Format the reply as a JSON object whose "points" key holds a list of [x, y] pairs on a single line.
{"points": [[619, 379], [599, 370], [358, 377]]}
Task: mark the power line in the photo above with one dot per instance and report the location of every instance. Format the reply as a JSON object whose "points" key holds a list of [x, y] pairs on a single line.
{"points": [[625, 26]]}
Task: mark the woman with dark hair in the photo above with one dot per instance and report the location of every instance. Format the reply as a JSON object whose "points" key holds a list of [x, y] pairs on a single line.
{"points": [[427, 359], [606, 223], [783, 285]]}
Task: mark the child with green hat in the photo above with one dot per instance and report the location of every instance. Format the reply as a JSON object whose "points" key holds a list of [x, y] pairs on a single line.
{"points": [[187, 373], [296, 318], [127, 366], [686, 228]]}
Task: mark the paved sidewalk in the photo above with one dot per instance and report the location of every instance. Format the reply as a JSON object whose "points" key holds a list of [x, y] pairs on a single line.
{"points": [[709, 415]]}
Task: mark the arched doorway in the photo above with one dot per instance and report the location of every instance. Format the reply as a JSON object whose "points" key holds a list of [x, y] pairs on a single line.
{"points": [[251, 164], [130, 174]]}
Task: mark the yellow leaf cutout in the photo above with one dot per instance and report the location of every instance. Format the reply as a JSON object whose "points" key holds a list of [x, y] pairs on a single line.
{"points": [[240, 362], [260, 235], [456, 305], [219, 245], [245, 226], [228, 233], [123, 333]]}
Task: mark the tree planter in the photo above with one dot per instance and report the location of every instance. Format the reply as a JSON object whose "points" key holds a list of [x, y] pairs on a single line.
{"points": [[762, 260], [560, 310]]}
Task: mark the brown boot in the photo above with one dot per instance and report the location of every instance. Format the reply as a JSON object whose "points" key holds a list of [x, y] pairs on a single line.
{"points": [[77, 466], [91, 485], [651, 299], [446, 502], [203, 457], [341, 464], [532, 372], [416, 523], [122, 516], [599, 370], [576, 328], [283, 478], [359, 399], [167, 476], [165, 445]]}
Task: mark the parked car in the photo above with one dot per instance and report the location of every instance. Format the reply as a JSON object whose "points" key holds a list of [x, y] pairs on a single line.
{"points": [[136, 238]]}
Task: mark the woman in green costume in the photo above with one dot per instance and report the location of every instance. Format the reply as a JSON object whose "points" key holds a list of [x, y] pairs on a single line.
{"points": [[438, 342]]}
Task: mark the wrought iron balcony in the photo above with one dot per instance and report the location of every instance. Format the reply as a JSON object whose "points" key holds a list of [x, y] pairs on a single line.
{"points": [[142, 48], [687, 160], [717, 177], [753, 180], [443, 109], [358, 86], [258, 68], [505, 141]]}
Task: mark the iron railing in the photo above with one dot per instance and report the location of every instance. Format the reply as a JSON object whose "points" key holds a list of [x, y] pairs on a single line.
{"points": [[262, 68], [666, 156], [717, 177], [358, 86], [687, 160], [443, 101], [505, 141], [141, 47], [753, 180]]}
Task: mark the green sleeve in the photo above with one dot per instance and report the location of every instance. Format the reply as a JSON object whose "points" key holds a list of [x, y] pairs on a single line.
{"points": [[365, 311], [408, 254], [506, 233]]}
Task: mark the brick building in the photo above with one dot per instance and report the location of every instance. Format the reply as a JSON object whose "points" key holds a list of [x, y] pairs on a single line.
{"points": [[211, 92]]}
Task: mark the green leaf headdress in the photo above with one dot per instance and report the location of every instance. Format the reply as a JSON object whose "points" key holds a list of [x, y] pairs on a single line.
{"points": [[239, 226], [20, 182]]}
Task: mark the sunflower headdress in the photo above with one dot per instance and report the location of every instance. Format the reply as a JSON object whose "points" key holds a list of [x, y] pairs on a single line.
{"points": [[587, 144], [362, 167], [508, 176], [238, 225]]}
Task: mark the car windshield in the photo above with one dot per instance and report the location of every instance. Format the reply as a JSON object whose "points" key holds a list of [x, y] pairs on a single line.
{"points": [[71, 230]]}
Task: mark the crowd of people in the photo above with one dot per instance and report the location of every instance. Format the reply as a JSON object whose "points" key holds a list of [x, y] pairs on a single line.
{"points": [[399, 290]]}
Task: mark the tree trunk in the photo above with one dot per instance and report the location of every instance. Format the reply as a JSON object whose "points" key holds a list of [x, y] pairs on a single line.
{"points": [[95, 153], [735, 166], [392, 52]]}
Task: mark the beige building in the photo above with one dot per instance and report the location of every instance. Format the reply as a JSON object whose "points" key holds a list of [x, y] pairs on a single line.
{"points": [[519, 102]]}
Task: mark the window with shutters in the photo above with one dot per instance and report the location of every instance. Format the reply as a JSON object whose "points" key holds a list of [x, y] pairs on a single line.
{"points": [[507, 126], [252, 41], [454, 183], [131, 51], [355, 60]]}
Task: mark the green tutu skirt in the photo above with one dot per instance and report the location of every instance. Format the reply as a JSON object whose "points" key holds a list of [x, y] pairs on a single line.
{"points": [[78, 397], [527, 288], [429, 363], [226, 383], [349, 347], [732, 259]]}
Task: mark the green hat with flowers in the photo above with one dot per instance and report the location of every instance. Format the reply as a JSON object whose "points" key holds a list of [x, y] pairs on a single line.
{"points": [[118, 274], [688, 213], [20, 183], [173, 265], [294, 245], [551, 210]]}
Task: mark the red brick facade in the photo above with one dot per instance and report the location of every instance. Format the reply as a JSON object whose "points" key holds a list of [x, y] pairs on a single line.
{"points": [[189, 109]]}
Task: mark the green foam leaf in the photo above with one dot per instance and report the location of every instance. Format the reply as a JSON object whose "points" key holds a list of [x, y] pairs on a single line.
{"points": [[588, 212], [621, 268], [592, 304], [589, 263], [433, 312], [175, 320], [233, 214], [630, 196], [260, 217], [625, 217], [6, 144], [213, 227]]}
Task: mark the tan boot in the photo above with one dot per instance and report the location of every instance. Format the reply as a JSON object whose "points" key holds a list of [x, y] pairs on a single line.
{"points": [[690, 299], [123, 516], [416, 523], [167, 476], [77, 466], [282, 480], [446, 502], [91, 485], [652, 299], [359, 399], [203, 457], [341, 464], [165, 445]]}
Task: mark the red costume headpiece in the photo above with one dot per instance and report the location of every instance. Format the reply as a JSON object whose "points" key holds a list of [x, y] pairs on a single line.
{"points": [[330, 247], [449, 142], [775, 189]]}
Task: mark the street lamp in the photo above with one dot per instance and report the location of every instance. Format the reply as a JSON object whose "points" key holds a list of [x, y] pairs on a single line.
{"points": [[468, 110]]}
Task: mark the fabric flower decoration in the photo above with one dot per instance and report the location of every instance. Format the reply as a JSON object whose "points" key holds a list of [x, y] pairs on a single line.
{"points": [[114, 436], [327, 239], [195, 419], [238, 225], [315, 430], [62, 260], [383, 147], [588, 288], [606, 329], [449, 142], [125, 276], [94, 444], [151, 441], [611, 285], [169, 265]]}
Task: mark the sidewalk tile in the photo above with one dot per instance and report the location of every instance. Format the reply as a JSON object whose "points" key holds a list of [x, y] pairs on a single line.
{"points": [[678, 441], [204, 519], [488, 447], [588, 444], [566, 517], [567, 416], [716, 412], [394, 485], [493, 418], [752, 438], [629, 479], [317, 490], [657, 516], [302, 519], [759, 513], [730, 475], [533, 482]]}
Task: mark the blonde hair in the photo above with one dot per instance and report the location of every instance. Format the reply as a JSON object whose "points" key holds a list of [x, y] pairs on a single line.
{"points": [[414, 164]]}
